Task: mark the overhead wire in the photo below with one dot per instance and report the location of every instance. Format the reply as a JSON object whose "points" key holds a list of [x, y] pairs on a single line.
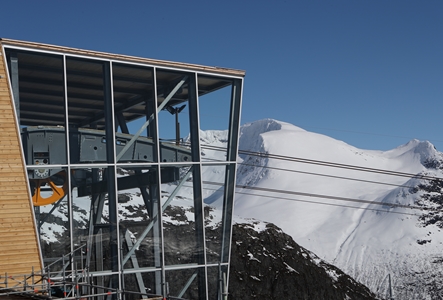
{"points": [[338, 165], [329, 176], [270, 190], [325, 203], [320, 174], [328, 164], [332, 204]]}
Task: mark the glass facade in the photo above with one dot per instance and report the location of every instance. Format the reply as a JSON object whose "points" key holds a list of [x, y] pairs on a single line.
{"points": [[124, 173]]}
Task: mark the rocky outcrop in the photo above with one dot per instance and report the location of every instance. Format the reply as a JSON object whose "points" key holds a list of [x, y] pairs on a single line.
{"points": [[268, 264]]}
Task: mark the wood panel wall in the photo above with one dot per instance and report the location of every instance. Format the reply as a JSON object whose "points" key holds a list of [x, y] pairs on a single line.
{"points": [[19, 249]]}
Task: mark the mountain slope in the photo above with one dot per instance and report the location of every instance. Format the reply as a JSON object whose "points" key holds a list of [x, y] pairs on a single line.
{"points": [[368, 241]]}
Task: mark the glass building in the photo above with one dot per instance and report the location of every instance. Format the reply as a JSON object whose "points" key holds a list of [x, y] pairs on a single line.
{"points": [[120, 171]]}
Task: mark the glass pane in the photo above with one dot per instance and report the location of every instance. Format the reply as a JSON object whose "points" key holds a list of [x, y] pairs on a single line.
{"points": [[42, 102], [213, 191], [50, 198], [214, 109], [133, 107], [138, 204], [91, 221], [142, 149], [85, 89], [187, 283], [90, 231], [42, 108], [217, 282], [173, 118], [179, 224], [141, 285]]}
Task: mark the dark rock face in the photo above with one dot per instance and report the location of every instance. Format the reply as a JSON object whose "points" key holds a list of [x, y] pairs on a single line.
{"points": [[270, 265], [431, 199]]}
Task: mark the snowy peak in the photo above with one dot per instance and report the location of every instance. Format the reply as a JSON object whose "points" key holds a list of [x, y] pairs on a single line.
{"points": [[213, 137], [422, 151], [266, 125], [250, 133], [261, 126]]}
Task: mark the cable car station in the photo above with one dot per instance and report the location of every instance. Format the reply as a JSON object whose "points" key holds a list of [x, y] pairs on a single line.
{"points": [[97, 150]]}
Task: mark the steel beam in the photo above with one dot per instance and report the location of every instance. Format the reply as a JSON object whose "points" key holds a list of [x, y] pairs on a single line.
{"points": [[151, 118], [154, 194], [230, 177], [233, 134], [187, 285], [138, 275], [197, 186], [151, 224], [111, 172]]}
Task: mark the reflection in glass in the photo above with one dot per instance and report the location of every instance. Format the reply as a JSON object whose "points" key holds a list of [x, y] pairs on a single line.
{"points": [[91, 216], [86, 88], [217, 282], [214, 111], [173, 105], [179, 229], [50, 199], [185, 283], [137, 206], [134, 109], [213, 191]]}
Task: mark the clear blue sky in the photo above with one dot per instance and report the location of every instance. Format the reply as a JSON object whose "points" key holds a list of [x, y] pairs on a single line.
{"points": [[368, 72]]}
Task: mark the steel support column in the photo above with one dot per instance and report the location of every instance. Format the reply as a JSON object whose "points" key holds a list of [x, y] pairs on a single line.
{"points": [[197, 185], [230, 177], [110, 174], [233, 134], [155, 208]]}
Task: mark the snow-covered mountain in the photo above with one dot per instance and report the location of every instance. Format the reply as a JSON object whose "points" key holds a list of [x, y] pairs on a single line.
{"points": [[366, 240]]}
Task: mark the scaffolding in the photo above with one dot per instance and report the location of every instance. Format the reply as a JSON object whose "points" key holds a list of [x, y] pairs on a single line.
{"points": [[75, 283]]}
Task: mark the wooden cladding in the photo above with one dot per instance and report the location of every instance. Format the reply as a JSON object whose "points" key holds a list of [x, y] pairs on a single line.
{"points": [[19, 249]]}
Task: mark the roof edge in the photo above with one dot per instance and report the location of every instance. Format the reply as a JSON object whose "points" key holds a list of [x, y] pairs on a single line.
{"points": [[121, 57]]}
